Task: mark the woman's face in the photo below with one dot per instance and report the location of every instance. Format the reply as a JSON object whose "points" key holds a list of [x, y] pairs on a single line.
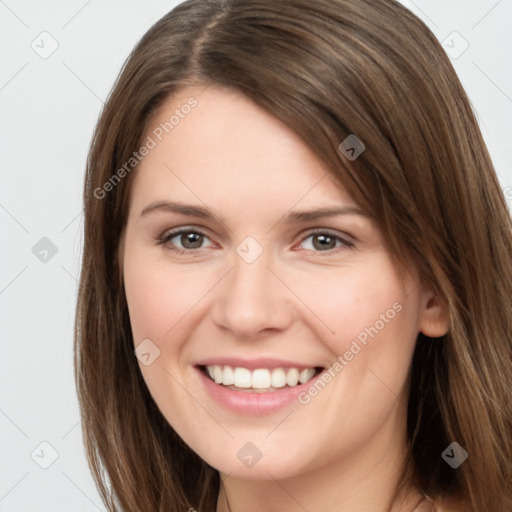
{"points": [[230, 269]]}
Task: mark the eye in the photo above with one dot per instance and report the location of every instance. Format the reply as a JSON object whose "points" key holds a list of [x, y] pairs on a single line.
{"points": [[187, 240], [325, 241], [190, 240]]}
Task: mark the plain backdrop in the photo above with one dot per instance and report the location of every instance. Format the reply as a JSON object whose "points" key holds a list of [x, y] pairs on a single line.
{"points": [[49, 103]]}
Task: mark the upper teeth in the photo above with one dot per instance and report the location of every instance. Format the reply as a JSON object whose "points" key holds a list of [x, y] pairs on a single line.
{"points": [[261, 378]]}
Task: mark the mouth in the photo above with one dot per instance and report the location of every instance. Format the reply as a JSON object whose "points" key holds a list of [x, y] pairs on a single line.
{"points": [[259, 380]]}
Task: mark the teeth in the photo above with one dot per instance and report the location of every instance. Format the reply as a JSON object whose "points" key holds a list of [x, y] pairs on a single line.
{"points": [[242, 377], [261, 378], [278, 379], [292, 377], [217, 374], [228, 378], [306, 374]]}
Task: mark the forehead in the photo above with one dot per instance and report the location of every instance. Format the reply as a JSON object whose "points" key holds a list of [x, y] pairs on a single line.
{"points": [[225, 147]]}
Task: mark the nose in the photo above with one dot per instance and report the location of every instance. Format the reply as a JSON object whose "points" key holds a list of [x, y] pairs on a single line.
{"points": [[252, 299]]}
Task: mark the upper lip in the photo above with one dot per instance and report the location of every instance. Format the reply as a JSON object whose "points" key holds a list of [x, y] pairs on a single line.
{"points": [[254, 364]]}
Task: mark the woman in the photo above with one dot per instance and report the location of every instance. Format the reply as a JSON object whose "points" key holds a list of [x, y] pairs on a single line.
{"points": [[296, 289]]}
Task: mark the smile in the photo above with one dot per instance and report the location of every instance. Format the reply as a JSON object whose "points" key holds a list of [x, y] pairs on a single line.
{"points": [[257, 387], [259, 379]]}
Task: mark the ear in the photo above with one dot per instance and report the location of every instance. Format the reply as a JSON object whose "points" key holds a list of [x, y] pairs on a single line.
{"points": [[435, 315]]}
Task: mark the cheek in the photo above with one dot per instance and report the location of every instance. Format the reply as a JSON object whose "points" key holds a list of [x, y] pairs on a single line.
{"points": [[354, 302], [158, 296], [369, 323], [161, 303]]}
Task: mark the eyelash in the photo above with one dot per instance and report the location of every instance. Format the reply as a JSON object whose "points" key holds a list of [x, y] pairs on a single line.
{"points": [[173, 234]]}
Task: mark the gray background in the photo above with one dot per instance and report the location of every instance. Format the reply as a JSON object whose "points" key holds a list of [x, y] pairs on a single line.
{"points": [[48, 107]]}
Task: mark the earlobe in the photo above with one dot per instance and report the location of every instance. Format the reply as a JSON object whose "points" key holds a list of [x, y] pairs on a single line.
{"points": [[435, 317]]}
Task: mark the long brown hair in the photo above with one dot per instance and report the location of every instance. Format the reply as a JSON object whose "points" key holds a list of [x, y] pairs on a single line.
{"points": [[328, 69]]}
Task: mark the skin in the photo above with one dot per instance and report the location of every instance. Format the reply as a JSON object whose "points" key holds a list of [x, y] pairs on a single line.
{"points": [[298, 300]]}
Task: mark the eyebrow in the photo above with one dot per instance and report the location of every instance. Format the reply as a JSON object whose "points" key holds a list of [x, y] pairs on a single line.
{"points": [[292, 217]]}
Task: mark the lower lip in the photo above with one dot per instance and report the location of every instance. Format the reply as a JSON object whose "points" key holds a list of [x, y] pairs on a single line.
{"points": [[252, 403]]}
